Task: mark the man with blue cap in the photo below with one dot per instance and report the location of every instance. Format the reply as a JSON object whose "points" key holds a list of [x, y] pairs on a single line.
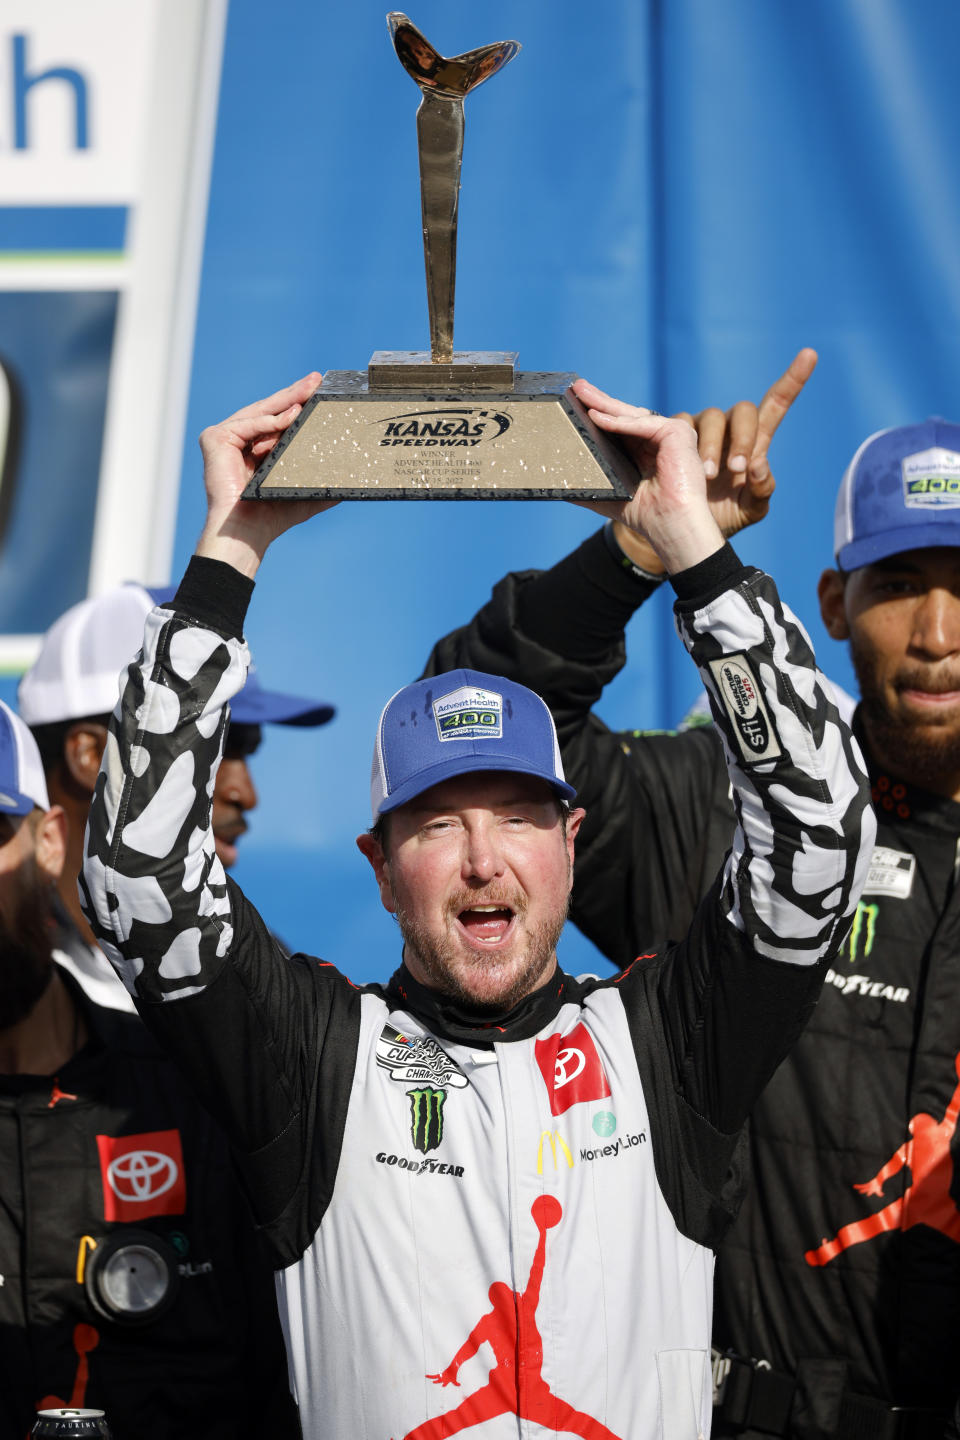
{"points": [[396, 1140], [838, 1288]]}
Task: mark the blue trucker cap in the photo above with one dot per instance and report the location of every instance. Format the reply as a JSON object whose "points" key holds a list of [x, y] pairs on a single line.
{"points": [[901, 491], [460, 721]]}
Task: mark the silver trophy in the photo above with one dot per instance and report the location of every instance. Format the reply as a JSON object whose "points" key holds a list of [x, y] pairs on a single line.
{"points": [[443, 424]]}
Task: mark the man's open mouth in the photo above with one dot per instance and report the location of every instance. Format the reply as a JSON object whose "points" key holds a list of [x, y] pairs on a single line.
{"points": [[487, 924]]}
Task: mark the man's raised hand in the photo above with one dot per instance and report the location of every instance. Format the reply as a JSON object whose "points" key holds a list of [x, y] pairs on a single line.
{"points": [[238, 530], [669, 509], [734, 447]]}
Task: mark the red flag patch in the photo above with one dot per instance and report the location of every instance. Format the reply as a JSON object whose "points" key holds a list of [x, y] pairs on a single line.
{"points": [[142, 1175], [572, 1069]]}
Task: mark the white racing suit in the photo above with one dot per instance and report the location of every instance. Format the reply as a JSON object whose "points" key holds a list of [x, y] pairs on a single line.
{"points": [[499, 1224]]}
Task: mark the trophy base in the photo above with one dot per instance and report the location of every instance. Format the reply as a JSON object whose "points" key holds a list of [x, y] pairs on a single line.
{"points": [[530, 441], [468, 370]]}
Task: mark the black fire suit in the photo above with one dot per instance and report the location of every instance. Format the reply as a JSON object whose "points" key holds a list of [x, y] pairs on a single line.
{"points": [[109, 1132], [854, 1141]]}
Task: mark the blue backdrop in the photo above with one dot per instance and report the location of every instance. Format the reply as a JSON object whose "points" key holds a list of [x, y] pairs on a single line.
{"points": [[669, 198]]}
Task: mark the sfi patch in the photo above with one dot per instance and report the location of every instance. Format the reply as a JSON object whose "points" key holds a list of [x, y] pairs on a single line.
{"points": [[417, 1059], [931, 479], [742, 698], [891, 873], [469, 713]]}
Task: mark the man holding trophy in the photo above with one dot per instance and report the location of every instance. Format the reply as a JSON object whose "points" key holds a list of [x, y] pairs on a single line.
{"points": [[388, 1137], [484, 1157]]}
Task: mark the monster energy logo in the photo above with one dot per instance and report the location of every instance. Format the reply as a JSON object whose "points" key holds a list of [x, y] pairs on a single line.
{"points": [[864, 928], [426, 1117]]}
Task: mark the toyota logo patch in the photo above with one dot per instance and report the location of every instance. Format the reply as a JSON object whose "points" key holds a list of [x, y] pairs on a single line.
{"points": [[142, 1175]]}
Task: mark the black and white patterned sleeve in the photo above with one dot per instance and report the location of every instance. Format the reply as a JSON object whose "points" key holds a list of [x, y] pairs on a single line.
{"points": [[152, 887], [805, 829]]}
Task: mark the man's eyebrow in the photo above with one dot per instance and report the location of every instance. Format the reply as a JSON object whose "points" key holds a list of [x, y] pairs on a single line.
{"points": [[509, 803]]}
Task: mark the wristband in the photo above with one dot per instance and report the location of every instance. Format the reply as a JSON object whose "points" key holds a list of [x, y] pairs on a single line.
{"points": [[624, 561]]}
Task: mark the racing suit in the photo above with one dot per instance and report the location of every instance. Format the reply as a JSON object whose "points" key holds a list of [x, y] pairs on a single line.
{"points": [[114, 1148], [435, 1184], [854, 1142]]}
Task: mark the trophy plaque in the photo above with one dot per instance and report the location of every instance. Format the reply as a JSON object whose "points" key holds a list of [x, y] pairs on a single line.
{"points": [[443, 424]]}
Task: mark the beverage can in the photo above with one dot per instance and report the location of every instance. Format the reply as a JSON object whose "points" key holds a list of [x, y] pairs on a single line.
{"points": [[69, 1423]]}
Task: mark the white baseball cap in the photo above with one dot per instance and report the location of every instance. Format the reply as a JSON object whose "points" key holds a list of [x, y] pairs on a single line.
{"points": [[84, 655], [22, 783], [77, 672]]}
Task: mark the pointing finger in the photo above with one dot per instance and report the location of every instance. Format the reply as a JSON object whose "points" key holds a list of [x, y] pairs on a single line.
{"points": [[782, 394]]}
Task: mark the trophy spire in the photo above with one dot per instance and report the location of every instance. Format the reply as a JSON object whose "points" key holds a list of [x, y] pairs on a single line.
{"points": [[443, 82]]}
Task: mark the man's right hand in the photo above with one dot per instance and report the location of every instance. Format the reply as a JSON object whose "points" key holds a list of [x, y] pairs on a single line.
{"points": [[734, 449], [239, 531]]}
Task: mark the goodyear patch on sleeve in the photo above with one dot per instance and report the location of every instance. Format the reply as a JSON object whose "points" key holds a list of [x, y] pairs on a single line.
{"points": [[742, 698], [931, 479], [469, 713]]}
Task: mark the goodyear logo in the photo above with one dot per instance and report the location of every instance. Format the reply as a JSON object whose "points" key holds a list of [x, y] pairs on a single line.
{"points": [[555, 1140], [446, 428]]}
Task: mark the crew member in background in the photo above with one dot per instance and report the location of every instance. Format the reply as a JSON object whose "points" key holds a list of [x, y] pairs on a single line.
{"points": [[130, 1274], [838, 1290], [389, 1134], [66, 697]]}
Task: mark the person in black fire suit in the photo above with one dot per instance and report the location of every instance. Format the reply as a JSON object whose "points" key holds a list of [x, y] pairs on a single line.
{"points": [[130, 1278], [838, 1290]]}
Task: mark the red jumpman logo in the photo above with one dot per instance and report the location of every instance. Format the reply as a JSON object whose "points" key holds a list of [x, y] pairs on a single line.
{"points": [[56, 1094], [85, 1339], [925, 1201], [515, 1385]]}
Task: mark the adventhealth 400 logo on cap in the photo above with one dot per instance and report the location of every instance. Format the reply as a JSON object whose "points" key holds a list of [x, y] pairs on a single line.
{"points": [[469, 714], [931, 478], [449, 428]]}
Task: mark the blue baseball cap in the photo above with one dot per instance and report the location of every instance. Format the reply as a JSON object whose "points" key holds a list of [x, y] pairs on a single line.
{"points": [[457, 722], [253, 705], [901, 491], [22, 783]]}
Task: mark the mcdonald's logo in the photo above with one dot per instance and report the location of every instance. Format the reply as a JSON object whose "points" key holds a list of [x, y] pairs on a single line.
{"points": [[554, 1139]]}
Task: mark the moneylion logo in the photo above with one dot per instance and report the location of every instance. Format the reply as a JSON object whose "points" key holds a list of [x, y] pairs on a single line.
{"points": [[447, 428], [426, 1117], [554, 1139]]}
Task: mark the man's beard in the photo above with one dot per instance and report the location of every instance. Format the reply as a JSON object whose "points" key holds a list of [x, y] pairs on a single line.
{"points": [[442, 961], [928, 754], [26, 952]]}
